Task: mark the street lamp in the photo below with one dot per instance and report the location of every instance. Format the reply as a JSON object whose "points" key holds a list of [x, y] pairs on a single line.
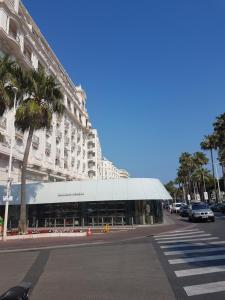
{"points": [[8, 196]]}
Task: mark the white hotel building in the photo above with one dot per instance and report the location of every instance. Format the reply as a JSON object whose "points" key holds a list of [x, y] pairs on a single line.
{"points": [[71, 149]]}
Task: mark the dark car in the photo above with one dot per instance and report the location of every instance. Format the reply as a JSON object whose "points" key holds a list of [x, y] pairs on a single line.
{"points": [[223, 207], [184, 210], [216, 207]]}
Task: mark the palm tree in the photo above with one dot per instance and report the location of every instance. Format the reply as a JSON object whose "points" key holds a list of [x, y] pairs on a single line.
{"points": [[209, 143], [6, 94], [219, 129], [199, 160], [41, 97]]}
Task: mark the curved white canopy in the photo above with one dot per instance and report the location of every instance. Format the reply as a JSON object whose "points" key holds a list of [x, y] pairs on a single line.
{"points": [[91, 190]]}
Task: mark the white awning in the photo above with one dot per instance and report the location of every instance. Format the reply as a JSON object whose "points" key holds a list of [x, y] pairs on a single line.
{"points": [[91, 190]]}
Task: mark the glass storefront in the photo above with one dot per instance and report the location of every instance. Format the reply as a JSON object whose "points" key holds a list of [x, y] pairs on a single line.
{"points": [[99, 213]]}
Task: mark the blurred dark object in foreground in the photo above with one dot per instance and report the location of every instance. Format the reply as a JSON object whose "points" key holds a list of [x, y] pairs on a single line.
{"points": [[19, 292]]}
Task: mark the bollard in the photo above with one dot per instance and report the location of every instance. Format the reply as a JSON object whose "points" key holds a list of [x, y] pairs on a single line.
{"points": [[151, 220]]}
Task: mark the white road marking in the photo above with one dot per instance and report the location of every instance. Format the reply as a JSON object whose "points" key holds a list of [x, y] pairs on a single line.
{"points": [[188, 240], [178, 252], [181, 237], [177, 234], [192, 245], [195, 259], [185, 230], [198, 271], [205, 288]]}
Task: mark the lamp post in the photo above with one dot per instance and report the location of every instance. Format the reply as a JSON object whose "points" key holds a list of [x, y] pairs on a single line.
{"points": [[9, 181]]}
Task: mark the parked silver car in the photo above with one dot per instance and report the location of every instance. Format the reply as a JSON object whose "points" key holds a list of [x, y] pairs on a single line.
{"points": [[200, 211]]}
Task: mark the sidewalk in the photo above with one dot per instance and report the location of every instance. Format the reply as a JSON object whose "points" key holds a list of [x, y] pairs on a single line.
{"points": [[170, 223]]}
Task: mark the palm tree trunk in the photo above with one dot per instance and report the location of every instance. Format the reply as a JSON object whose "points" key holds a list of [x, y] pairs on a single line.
{"points": [[213, 171], [223, 170], [23, 217]]}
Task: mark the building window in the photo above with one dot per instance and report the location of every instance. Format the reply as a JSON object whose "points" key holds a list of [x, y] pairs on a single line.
{"points": [[13, 29], [27, 52]]}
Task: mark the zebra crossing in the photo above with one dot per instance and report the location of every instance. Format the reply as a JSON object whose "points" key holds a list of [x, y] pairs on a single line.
{"points": [[197, 261]]}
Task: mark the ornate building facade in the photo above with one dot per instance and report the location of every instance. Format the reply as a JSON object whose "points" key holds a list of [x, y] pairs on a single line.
{"points": [[70, 150]]}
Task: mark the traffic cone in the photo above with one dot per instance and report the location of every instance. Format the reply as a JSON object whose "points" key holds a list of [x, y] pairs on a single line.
{"points": [[89, 232]]}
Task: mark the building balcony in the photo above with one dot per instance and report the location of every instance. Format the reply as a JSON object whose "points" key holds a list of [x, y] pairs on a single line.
{"points": [[66, 164], [91, 164], [58, 152], [73, 146], [35, 142], [67, 141], [91, 136], [19, 135], [66, 152], [47, 148], [49, 132], [67, 125], [72, 162], [91, 145], [58, 135], [91, 173], [91, 153], [13, 31]]}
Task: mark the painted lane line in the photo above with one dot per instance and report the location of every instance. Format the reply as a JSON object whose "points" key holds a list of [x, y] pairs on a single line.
{"points": [[188, 245], [180, 252], [200, 271], [206, 288], [184, 230], [178, 234], [181, 237], [187, 240], [195, 259]]}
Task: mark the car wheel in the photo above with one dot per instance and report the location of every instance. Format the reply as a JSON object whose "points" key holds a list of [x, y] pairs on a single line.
{"points": [[213, 219], [189, 219]]}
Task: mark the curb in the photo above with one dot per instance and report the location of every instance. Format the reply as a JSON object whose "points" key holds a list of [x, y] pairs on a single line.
{"points": [[45, 235]]}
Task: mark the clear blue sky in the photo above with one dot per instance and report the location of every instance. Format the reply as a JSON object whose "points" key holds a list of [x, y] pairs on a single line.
{"points": [[153, 71]]}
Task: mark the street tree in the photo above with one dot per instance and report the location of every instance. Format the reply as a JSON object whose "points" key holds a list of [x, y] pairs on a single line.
{"points": [[40, 99]]}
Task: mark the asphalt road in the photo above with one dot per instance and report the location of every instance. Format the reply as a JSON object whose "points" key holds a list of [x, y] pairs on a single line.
{"points": [[120, 270], [194, 261], [138, 264]]}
